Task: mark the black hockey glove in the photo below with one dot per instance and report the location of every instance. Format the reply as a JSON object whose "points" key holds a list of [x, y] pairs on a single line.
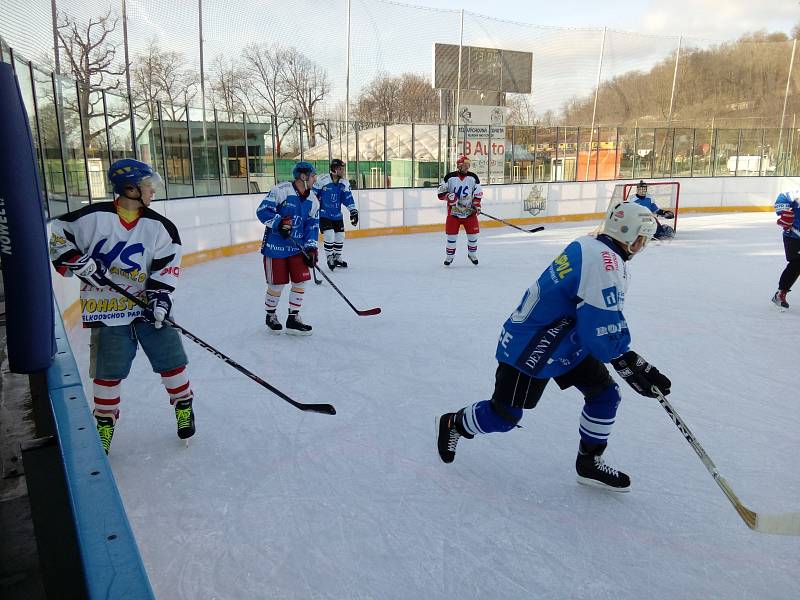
{"points": [[310, 256], [90, 270], [354, 217], [640, 374], [159, 305], [667, 214], [285, 228]]}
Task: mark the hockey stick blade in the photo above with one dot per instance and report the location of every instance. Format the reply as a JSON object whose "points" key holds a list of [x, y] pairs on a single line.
{"points": [[777, 524], [536, 229], [326, 409], [361, 313], [504, 222]]}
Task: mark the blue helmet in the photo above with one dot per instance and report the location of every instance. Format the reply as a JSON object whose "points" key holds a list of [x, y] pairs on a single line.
{"points": [[128, 171], [303, 167]]}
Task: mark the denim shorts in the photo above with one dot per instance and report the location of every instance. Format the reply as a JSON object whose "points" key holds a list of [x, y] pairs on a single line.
{"points": [[111, 349]]}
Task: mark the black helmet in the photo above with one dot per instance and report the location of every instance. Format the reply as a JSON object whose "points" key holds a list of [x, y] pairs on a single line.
{"points": [[336, 163]]}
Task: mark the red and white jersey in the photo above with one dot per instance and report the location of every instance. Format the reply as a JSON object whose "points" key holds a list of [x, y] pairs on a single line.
{"points": [[143, 254], [466, 187]]}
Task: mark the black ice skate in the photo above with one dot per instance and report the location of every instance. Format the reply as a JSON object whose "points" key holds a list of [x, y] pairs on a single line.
{"points": [[473, 258], [448, 436], [294, 326], [272, 322], [342, 264], [448, 261], [779, 300], [105, 429], [331, 262], [184, 415], [594, 472]]}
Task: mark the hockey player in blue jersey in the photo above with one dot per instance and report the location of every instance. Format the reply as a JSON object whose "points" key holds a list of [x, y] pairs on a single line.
{"points": [[664, 232], [333, 192], [290, 213], [788, 211], [568, 324]]}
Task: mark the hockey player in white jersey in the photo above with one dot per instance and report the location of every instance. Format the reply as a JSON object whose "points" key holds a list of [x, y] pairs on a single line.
{"points": [[462, 191], [568, 324], [333, 192], [138, 249]]}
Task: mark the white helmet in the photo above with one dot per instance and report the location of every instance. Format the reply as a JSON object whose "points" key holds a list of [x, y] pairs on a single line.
{"points": [[626, 221]]}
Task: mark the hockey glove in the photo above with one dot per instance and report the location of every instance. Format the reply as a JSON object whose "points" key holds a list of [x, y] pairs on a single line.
{"points": [[310, 257], [90, 270], [285, 228], [159, 305], [667, 214], [640, 374], [786, 219], [451, 199], [354, 217]]}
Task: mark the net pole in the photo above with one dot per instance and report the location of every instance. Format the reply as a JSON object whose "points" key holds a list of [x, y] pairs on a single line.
{"points": [[786, 95], [594, 107], [458, 83], [347, 102], [674, 82]]}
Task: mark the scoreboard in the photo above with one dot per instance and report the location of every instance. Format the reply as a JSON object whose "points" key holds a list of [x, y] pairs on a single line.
{"points": [[482, 69]]}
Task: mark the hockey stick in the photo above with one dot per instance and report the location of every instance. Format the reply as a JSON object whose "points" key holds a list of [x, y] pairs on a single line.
{"points": [[534, 230], [361, 313], [780, 524], [317, 280], [326, 409]]}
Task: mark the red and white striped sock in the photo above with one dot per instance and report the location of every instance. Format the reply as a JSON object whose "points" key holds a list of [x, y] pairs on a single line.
{"points": [[296, 296], [106, 398], [177, 384]]}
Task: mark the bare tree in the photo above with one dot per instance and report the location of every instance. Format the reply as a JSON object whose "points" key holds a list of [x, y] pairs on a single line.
{"points": [[268, 92], [162, 75], [407, 97], [520, 110], [91, 57], [229, 84], [307, 85]]}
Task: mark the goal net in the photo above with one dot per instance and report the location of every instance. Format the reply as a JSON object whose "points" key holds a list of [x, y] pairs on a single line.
{"points": [[665, 195]]}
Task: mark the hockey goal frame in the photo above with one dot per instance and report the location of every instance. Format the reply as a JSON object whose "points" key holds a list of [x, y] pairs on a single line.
{"points": [[663, 199]]}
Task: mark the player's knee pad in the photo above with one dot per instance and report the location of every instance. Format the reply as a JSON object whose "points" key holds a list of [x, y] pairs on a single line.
{"points": [[339, 237], [489, 417]]}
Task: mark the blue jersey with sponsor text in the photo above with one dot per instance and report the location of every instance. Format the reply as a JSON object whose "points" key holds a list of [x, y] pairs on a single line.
{"points": [[789, 201], [283, 200], [332, 196], [574, 309]]}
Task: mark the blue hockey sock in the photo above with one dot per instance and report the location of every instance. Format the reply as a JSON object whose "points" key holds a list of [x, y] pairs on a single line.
{"points": [[482, 417], [598, 415]]}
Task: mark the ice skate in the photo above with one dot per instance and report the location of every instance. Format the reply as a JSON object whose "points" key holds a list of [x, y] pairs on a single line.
{"points": [[473, 258], [448, 436], [184, 415], [592, 471], [295, 326], [448, 261], [779, 300], [273, 323], [105, 429], [331, 262], [342, 264]]}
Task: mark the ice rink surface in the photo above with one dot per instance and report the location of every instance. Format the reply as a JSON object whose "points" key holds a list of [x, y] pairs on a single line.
{"points": [[270, 503]]}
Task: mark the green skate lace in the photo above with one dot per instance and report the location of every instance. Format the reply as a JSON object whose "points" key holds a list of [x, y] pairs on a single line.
{"points": [[106, 432], [184, 417]]}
